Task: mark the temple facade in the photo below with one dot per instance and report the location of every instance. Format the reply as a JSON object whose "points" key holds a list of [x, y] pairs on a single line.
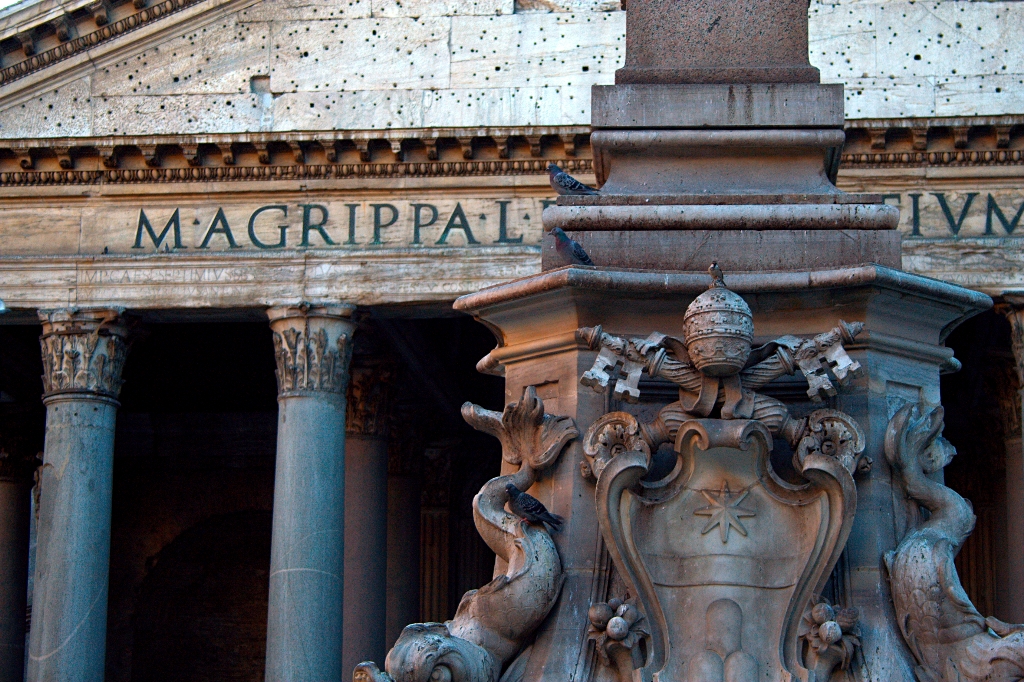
{"points": [[232, 233]]}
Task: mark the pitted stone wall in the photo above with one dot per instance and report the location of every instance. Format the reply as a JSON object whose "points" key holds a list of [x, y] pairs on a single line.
{"points": [[288, 65]]}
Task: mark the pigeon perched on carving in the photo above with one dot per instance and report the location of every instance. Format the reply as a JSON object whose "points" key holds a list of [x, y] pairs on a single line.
{"points": [[567, 185], [569, 249], [529, 508]]}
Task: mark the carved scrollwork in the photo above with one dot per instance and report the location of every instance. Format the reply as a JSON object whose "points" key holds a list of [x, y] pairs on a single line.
{"points": [[83, 352], [609, 436], [833, 434]]}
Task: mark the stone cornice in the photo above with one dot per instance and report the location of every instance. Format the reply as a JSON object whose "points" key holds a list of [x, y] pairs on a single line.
{"points": [[77, 29], [448, 152]]}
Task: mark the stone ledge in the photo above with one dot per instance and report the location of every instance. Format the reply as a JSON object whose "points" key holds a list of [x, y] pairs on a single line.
{"points": [[809, 105]]}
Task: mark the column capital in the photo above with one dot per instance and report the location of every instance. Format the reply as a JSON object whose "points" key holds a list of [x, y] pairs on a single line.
{"points": [[312, 347], [83, 352], [1012, 307], [368, 408]]}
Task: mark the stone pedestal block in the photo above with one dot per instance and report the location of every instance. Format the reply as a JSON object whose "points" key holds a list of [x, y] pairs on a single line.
{"points": [[716, 41], [304, 623], [83, 354], [905, 321]]}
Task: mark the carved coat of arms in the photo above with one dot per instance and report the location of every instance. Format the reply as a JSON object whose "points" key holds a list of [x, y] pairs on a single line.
{"points": [[723, 559]]}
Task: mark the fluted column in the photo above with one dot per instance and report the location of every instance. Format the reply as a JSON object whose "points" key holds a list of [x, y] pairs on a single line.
{"points": [[304, 624], [15, 509], [1013, 308], [83, 354], [366, 522]]}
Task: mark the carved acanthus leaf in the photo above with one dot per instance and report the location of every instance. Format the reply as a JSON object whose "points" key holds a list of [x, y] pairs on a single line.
{"points": [[308, 362], [369, 400], [83, 352], [527, 434]]}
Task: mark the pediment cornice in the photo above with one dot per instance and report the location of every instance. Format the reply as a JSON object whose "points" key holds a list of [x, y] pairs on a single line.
{"points": [[45, 48]]}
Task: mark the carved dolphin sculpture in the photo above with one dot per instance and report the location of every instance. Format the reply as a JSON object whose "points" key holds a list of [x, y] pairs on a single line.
{"points": [[493, 623], [951, 641]]}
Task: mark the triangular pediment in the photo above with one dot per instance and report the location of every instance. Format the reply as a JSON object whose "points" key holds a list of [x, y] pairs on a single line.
{"points": [[242, 66]]}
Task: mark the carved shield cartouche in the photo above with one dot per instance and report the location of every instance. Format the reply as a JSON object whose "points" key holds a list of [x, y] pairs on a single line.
{"points": [[723, 555]]}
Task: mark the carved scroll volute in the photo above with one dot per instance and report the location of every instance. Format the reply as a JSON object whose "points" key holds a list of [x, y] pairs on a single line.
{"points": [[619, 471], [828, 455]]}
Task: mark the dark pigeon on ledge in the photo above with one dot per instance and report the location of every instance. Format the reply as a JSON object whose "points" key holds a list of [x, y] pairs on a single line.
{"points": [[569, 249], [529, 508], [565, 184]]}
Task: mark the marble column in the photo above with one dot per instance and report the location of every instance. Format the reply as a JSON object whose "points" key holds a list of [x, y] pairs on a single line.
{"points": [[304, 623], [366, 522], [405, 480], [1013, 308], [83, 354], [15, 512]]}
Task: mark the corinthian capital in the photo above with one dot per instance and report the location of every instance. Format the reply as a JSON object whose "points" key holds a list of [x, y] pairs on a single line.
{"points": [[1013, 308], [369, 399], [312, 346], [83, 352]]}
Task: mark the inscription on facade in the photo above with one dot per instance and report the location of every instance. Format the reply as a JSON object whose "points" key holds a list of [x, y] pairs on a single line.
{"points": [[427, 223], [964, 213]]}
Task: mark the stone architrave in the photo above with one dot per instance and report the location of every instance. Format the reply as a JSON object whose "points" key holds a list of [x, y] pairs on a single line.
{"points": [[1013, 309], [83, 355], [366, 506], [304, 624], [15, 507]]}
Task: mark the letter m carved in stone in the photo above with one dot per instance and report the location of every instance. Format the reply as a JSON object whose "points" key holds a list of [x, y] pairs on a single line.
{"points": [[158, 239]]}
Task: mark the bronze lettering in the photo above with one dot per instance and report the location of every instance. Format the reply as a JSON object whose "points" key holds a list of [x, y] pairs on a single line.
{"points": [[225, 230], [283, 228]]}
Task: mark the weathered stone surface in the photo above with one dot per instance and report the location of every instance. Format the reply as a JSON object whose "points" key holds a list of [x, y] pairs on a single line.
{"points": [[82, 379], [700, 106], [734, 250], [849, 42], [700, 42], [304, 623]]}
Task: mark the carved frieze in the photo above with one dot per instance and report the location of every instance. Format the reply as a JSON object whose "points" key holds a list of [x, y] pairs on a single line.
{"points": [[83, 352], [312, 347]]}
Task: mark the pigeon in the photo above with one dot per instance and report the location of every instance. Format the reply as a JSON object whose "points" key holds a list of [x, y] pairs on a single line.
{"points": [[569, 249], [529, 508], [565, 184]]}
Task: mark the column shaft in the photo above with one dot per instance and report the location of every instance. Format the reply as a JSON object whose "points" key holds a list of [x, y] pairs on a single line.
{"points": [[403, 591], [83, 353], [1013, 611], [366, 502], [304, 623], [15, 493]]}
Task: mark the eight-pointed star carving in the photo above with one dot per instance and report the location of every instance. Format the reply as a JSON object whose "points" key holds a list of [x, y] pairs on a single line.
{"points": [[724, 511]]}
